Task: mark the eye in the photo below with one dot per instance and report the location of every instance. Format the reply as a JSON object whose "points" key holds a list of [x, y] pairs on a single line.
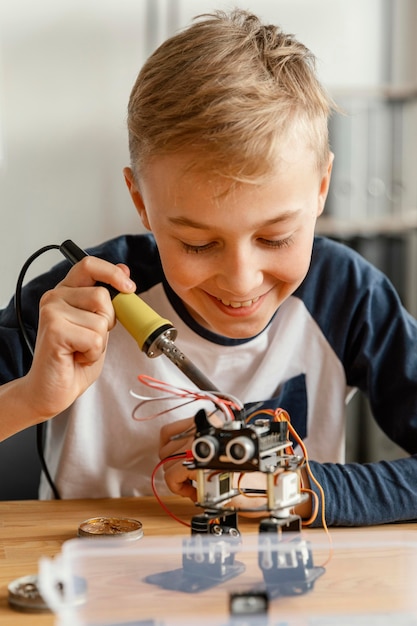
{"points": [[276, 243], [192, 249]]}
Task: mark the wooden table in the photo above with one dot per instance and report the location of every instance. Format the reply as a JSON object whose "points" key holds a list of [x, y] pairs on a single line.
{"points": [[30, 530]]}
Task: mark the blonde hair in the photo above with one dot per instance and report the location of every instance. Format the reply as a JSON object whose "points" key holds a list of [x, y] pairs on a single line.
{"points": [[228, 90]]}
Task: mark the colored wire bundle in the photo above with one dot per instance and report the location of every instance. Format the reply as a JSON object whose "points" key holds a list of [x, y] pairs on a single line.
{"points": [[222, 402]]}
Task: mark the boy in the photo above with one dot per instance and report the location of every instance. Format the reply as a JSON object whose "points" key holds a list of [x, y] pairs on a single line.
{"points": [[230, 168]]}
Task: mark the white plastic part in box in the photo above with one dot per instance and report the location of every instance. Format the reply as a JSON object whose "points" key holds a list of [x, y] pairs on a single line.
{"points": [[367, 578]]}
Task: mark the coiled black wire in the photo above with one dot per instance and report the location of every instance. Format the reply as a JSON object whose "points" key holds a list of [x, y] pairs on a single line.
{"points": [[40, 428]]}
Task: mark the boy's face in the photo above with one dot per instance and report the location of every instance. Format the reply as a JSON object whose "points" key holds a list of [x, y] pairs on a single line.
{"points": [[232, 255]]}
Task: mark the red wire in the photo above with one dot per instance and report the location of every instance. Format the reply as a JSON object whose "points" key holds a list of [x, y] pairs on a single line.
{"points": [[180, 455], [219, 401]]}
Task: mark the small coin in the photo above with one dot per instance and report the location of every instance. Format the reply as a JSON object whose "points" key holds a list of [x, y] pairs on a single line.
{"points": [[99, 527], [24, 594]]}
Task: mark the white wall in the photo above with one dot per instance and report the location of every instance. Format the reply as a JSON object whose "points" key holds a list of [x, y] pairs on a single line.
{"points": [[66, 70], [344, 36]]}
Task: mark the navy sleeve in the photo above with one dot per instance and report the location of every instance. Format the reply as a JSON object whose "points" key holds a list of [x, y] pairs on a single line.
{"points": [[363, 495], [375, 338], [15, 358]]}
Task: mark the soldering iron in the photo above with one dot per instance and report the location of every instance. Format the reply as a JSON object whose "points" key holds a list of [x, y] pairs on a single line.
{"points": [[154, 334]]}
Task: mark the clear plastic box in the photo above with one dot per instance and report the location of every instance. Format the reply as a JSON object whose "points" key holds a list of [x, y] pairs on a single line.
{"points": [[367, 578]]}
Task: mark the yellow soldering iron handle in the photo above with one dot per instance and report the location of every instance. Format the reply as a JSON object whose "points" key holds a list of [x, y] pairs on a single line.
{"points": [[141, 321]]}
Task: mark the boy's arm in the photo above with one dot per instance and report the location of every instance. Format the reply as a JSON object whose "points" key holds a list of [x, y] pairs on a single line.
{"points": [[74, 320], [366, 494]]}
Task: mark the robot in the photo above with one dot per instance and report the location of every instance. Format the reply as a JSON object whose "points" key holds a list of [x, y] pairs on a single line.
{"points": [[221, 456]]}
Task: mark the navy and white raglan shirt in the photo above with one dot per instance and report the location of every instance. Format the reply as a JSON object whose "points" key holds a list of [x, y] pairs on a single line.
{"points": [[343, 329]]}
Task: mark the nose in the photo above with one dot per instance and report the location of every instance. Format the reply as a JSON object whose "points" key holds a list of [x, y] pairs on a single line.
{"points": [[240, 272]]}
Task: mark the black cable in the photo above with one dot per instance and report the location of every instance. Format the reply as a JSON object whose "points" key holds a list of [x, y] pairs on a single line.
{"points": [[40, 428], [18, 294]]}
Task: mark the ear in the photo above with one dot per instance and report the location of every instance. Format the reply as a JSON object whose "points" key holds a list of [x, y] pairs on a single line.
{"points": [[136, 196], [325, 184]]}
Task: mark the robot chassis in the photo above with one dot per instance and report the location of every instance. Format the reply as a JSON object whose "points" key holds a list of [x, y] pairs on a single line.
{"points": [[219, 456]]}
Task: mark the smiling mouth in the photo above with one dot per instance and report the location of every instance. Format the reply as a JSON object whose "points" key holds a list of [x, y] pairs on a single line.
{"points": [[238, 305]]}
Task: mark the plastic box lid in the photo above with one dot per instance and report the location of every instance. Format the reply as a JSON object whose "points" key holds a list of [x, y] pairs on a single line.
{"points": [[367, 578]]}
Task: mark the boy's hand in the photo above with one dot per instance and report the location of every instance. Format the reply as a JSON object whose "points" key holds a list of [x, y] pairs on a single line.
{"points": [[74, 322], [177, 477]]}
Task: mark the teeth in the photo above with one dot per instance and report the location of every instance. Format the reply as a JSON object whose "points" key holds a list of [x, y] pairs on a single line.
{"points": [[238, 305]]}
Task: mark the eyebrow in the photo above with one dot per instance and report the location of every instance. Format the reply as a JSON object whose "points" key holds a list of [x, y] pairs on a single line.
{"points": [[186, 221]]}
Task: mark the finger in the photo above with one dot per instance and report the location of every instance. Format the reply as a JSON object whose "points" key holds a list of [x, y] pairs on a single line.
{"points": [[76, 320], [124, 268], [70, 304], [179, 480], [171, 441], [187, 490], [175, 447], [66, 334], [91, 270], [170, 432]]}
